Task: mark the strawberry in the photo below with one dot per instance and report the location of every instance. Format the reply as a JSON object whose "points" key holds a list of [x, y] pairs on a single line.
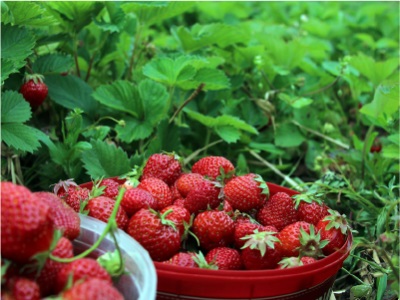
{"points": [[34, 90], [48, 275], [310, 210], [179, 215], [174, 192], [182, 259], [186, 182], [243, 229], [64, 217], [80, 269], [155, 233], [26, 225], [299, 238], [290, 262], [261, 250], [225, 258], [278, 211], [102, 207], [179, 202], [205, 194], [213, 229], [333, 228], [159, 190], [75, 196], [211, 167], [93, 289], [111, 188], [246, 192], [162, 166], [23, 289], [135, 199]]}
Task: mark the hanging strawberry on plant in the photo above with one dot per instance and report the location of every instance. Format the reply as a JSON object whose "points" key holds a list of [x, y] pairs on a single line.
{"points": [[34, 90]]}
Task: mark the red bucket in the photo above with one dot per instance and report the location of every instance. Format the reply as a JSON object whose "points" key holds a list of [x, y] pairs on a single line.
{"points": [[308, 282]]}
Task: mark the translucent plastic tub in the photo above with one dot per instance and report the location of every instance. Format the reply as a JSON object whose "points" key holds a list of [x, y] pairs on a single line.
{"points": [[141, 282]]}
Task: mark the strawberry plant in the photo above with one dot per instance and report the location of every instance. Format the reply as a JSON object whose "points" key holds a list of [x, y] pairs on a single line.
{"points": [[303, 94]]}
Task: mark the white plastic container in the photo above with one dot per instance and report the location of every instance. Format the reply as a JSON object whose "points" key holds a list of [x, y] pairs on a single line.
{"points": [[141, 282]]}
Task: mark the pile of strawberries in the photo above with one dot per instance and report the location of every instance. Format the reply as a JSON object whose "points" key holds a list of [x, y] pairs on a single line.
{"points": [[211, 217], [37, 254]]}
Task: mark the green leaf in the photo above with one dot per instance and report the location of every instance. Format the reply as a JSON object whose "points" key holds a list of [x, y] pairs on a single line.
{"points": [[115, 19], [149, 13], [120, 95], [21, 137], [228, 134], [287, 135], [384, 104], [52, 64], [200, 36], [14, 108], [212, 78], [286, 55], [134, 130], [105, 160], [71, 92], [391, 151], [154, 97], [28, 14], [267, 147], [295, 102]]}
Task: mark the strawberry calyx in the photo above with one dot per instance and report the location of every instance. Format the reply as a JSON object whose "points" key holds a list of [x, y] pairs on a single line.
{"points": [[261, 241], [311, 244], [113, 263], [290, 262], [132, 177], [65, 184], [262, 184], [37, 78], [201, 261], [305, 197], [163, 219], [337, 221], [224, 177]]}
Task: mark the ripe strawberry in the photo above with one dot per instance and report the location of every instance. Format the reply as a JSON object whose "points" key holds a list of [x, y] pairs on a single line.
{"points": [[34, 90], [135, 199], [333, 228], [159, 190], [213, 229], [93, 289], [111, 189], [310, 210], [26, 224], [182, 259], [80, 269], [174, 192], [101, 208], [211, 166], [261, 250], [246, 192], [155, 233], [205, 194], [299, 238], [187, 182], [75, 196], [64, 217], [162, 166], [48, 275], [179, 202], [23, 289], [278, 211], [179, 215], [290, 262], [243, 229], [225, 258]]}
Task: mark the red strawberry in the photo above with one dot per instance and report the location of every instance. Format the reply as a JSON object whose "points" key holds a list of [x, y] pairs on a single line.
{"points": [[75, 196], [186, 182], [155, 233], [135, 199], [205, 194], [26, 225], [182, 259], [111, 188], [159, 190], [246, 192], [225, 258], [174, 192], [179, 215], [333, 228], [101, 208], [290, 262], [310, 210], [213, 229], [299, 238], [93, 289], [211, 166], [64, 217], [261, 250], [34, 90], [162, 166], [225, 206], [23, 289], [48, 275], [83, 268], [278, 211], [179, 202]]}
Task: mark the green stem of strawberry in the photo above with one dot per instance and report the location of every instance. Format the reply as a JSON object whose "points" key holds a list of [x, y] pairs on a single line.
{"points": [[110, 228]]}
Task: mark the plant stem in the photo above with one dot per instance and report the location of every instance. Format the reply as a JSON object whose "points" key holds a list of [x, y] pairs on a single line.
{"points": [[336, 142], [276, 171], [132, 59], [75, 41], [370, 129]]}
